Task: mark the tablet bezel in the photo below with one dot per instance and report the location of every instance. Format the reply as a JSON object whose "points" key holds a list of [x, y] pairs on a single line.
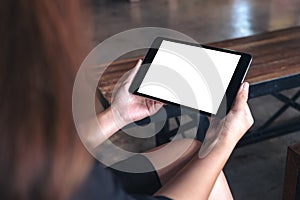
{"points": [[231, 91]]}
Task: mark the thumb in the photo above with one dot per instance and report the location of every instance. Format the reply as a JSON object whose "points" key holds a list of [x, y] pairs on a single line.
{"points": [[134, 70], [242, 97]]}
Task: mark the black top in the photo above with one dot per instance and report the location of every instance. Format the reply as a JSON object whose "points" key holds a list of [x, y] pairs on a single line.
{"points": [[108, 184]]}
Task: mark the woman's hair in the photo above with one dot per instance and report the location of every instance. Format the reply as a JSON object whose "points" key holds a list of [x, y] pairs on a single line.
{"points": [[41, 156]]}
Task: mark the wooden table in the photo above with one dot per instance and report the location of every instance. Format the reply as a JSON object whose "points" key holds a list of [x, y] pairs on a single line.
{"points": [[291, 190], [275, 67]]}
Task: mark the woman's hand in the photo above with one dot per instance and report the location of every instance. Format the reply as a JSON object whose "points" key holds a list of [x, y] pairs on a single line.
{"points": [[239, 119], [127, 107], [199, 176], [229, 130]]}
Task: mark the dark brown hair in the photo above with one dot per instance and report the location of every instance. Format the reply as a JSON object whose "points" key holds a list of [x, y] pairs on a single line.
{"points": [[41, 156]]}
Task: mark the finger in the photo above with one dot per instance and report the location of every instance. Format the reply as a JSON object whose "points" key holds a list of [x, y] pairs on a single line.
{"points": [[242, 97], [209, 118], [134, 70], [155, 107], [157, 102]]}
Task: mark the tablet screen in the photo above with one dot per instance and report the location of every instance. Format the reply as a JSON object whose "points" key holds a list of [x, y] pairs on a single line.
{"points": [[192, 76]]}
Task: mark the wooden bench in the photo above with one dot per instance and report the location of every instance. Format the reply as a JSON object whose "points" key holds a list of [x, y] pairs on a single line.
{"points": [[291, 190], [275, 67]]}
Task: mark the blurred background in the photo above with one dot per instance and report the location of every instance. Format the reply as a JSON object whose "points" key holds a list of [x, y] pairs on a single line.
{"points": [[205, 21]]}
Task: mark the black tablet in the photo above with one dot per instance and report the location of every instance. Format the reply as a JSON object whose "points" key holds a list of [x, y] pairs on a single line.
{"points": [[196, 76]]}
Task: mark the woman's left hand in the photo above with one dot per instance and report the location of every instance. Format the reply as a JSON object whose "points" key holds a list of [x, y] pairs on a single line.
{"points": [[127, 107]]}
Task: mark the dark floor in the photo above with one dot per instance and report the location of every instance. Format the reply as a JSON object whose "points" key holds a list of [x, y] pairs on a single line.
{"points": [[254, 171], [205, 21]]}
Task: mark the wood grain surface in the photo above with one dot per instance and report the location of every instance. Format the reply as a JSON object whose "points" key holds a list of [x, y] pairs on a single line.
{"points": [[275, 54]]}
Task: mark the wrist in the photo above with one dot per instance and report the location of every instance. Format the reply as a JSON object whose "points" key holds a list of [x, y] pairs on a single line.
{"points": [[109, 122], [228, 140], [116, 117], [217, 139], [221, 136]]}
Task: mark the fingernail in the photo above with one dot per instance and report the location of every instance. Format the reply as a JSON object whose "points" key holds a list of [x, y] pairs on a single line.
{"points": [[246, 86], [139, 62]]}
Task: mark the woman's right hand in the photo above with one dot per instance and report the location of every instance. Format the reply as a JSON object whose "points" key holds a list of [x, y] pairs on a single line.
{"points": [[200, 174], [238, 120], [229, 130]]}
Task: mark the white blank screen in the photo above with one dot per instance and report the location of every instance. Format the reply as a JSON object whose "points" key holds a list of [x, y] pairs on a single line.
{"points": [[188, 75]]}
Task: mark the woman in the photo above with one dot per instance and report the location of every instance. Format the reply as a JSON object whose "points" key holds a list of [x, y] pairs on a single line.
{"points": [[41, 155]]}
